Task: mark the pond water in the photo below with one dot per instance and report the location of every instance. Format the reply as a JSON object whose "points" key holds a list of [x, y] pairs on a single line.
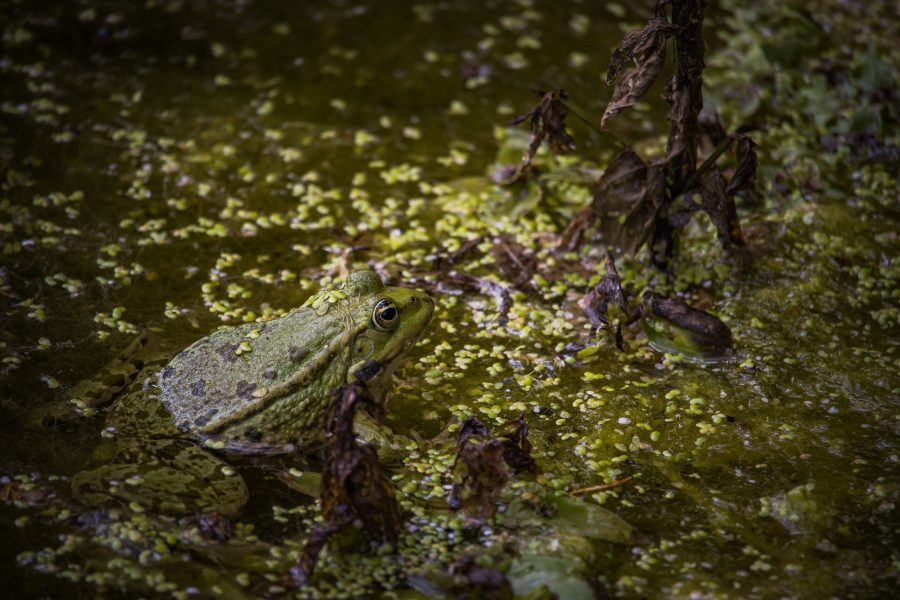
{"points": [[179, 166]]}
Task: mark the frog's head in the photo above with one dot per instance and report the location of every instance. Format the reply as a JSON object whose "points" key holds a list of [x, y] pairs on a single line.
{"points": [[395, 319]]}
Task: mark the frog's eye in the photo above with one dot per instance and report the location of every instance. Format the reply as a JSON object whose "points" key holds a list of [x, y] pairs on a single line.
{"points": [[385, 316]]}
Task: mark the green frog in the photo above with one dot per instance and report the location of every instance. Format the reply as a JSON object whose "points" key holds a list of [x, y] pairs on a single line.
{"points": [[257, 388]]}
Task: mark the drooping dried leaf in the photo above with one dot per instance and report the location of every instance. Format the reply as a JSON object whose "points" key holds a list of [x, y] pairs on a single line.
{"points": [[516, 262], [627, 200], [479, 472], [648, 49], [638, 43], [744, 177], [353, 487], [517, 447], [548, 122]]}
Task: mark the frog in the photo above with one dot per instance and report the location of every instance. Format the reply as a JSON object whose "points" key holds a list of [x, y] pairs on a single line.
{"points": [[254, 388]]}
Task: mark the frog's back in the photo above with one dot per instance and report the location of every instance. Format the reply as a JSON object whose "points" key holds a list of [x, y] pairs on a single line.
{"points": [[259, 383]]}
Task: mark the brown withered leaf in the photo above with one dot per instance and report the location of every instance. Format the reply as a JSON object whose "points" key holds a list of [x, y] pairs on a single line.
{"points": [[606, 304], [517, 447], [744, 177], [516, 262], [353, 487], [647, 48], [479, 472], [627, 200], [607, 292], [637, 43], [548, 122]]}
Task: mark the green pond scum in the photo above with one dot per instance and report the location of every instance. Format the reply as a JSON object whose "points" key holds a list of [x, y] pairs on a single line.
{"points": [[171, 168]]}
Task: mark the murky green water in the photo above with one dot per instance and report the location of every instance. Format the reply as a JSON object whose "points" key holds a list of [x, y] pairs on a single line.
{"points": [[178, 166]]}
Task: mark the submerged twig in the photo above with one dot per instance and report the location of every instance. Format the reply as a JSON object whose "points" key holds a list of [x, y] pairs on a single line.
{"points": [[601, 487]]}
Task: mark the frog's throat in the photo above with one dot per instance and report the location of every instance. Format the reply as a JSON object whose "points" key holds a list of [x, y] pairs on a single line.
{"points": [[296, 382]]}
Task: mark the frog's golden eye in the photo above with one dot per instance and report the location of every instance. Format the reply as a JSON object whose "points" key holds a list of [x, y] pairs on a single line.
{"points": [[385, 316]]}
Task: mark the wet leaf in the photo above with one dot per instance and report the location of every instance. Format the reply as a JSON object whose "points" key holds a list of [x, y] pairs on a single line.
{"points": [[647, 48], [627, 201], [548, 122], [479, 472], [673, 326], [543, 577], [591, 520]]}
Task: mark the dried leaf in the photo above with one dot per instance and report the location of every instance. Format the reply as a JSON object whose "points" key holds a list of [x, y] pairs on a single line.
{"points": [[649, 56], [608, 292], [606, 305], [744, 177], [353, 488], [548, 122], [627, 200], [479, 472]]}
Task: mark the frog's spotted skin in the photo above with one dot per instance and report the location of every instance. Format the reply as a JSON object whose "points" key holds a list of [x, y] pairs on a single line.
{"points": [[252, 388], [268, 385]]}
